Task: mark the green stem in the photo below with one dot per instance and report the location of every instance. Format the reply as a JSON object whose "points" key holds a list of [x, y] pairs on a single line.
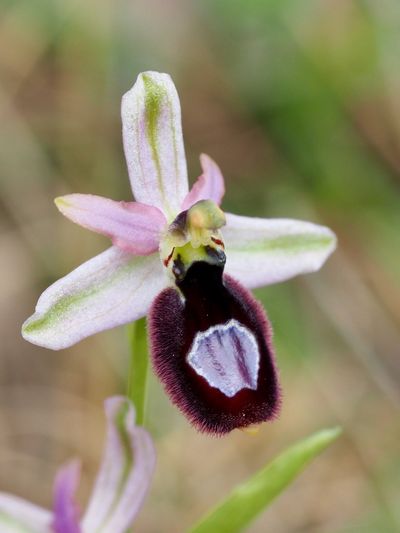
{"points": [[138, 367]]}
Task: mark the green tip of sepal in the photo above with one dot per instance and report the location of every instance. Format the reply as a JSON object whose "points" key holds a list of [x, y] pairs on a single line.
{"points": [[61, 202]]}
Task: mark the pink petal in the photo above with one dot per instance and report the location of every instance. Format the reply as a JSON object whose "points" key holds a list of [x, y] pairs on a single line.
{"points": [[111, 289], [132, 226], [209, 186], [66, 511], [17, 514], [262, 251], [153, 143], [125, 473]]}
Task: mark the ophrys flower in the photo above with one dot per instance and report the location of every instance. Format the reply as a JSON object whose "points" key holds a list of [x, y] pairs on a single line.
{"points": [[121, 485], [178, 255]]}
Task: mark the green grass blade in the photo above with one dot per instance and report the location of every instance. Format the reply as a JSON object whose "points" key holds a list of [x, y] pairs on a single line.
{"points": [[138, 368], [248, 499]]}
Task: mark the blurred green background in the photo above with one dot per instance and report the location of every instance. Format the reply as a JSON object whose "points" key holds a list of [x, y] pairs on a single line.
{"points": [[299, 103]]}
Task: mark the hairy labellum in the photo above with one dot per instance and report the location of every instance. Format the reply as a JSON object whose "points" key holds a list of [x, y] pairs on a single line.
{"points": [[211, 348]]}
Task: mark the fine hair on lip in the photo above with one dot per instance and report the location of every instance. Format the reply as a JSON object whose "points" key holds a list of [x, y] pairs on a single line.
{"points": [[210, 299]]}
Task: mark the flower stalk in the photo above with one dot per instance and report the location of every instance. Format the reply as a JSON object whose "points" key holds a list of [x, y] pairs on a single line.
{"points": [[138, 369]]}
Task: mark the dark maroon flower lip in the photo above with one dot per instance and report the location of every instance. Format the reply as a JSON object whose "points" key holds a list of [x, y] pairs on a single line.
{"points": [[211, 348]]}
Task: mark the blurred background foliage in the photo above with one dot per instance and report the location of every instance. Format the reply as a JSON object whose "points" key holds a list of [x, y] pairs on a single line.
{"points": [[299, 103]]}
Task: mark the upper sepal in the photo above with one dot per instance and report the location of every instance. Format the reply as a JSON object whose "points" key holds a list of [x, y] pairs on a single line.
{"points": [[153, 142]]}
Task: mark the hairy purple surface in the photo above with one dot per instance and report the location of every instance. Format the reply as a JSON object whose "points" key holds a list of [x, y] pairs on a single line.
{"points": [[210, 299]]}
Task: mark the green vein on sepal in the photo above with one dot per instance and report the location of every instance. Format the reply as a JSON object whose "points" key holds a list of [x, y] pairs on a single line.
{"points": [[67, 302], [154, 97], [287, 243], [120, 423], [248, 499]]}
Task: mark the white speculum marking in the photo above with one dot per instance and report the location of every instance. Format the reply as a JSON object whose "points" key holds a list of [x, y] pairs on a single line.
{"points": [[227, 356]]}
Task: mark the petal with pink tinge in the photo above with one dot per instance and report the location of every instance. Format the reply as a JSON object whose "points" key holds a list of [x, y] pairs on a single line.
{"points": [[66, 511], [131, 226], [209, 186]]}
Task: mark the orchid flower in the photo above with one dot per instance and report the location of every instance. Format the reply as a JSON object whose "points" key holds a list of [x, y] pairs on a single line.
{"points": [[121, 485], [177, 256]]}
